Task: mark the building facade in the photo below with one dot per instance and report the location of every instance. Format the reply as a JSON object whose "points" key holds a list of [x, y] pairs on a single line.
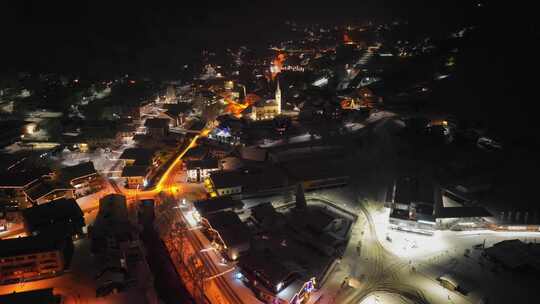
{"points": [[83, 178], [30, 257], [264, 110], [199, 170]]}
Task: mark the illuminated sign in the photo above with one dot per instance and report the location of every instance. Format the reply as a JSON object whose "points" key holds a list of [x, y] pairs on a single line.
{"points": [[304, 292], [224, 132]]}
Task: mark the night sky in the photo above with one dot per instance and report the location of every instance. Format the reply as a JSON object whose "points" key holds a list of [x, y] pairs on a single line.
{"points": [[98, 38], [148, 36]]}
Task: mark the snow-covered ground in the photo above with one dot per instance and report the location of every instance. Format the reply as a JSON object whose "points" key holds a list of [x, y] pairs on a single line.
{"points": [[444, 253], [77, 285]]}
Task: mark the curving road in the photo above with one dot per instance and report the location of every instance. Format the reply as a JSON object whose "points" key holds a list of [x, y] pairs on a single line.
{"points": [[384, 273]]}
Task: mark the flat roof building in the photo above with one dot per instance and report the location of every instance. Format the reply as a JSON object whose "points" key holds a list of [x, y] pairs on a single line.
{"points": [[45, 191], [248, 182], [158, 127], [113, 207], [218, 204], [22, 179], [83, 178], [178, 112], [317, 175], [196, 153], [268, 271], [14, 183], [112, 224], [410, 190], [137, 156], [72, 173], [267, 217], [273, 280], [31, 257], [37, 296], [58, 215], [199, 170], [515, 255], [414, 204], [135, 176]]}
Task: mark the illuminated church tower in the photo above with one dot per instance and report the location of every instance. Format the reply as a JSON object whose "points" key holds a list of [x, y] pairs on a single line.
{"points": [[278, 98]]}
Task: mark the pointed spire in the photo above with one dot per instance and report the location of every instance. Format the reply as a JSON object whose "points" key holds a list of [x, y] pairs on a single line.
{"points": [[278, 96]]}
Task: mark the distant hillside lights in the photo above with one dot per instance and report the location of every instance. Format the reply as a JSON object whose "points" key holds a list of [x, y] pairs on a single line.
{"points": [[293, 68]]}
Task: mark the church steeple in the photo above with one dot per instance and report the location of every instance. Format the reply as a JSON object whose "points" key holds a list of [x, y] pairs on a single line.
{"points": [[278, 98]]}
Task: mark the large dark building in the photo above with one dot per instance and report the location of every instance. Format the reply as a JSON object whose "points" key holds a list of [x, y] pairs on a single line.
{"points": [[227, 230], [414, 205], [218, 204], [58, 215], [38, 296], [83, 177], [33, 257]]}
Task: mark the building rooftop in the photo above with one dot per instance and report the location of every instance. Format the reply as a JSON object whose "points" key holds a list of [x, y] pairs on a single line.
{"points": [[266, 103], [217, 204], [37, 296], [44, 187], [516, 254], [207, 163], [54, 213], [414, 190], [113, 207], [215, 146], [198, 152], [251, 180], [12, 124], [10, 160], [400, 214], [462, 212], [127, 128], [312, 171], [111, 222], [28, 245], [140, 155], [81, 170], [140, 137], [253, 153], [231, 229], [197, 125], [319, 220], [134, 171], [157, 123], [228, 179], [178, 108], [20, 179], [305, 151], [267, 269], [267, 216]]}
